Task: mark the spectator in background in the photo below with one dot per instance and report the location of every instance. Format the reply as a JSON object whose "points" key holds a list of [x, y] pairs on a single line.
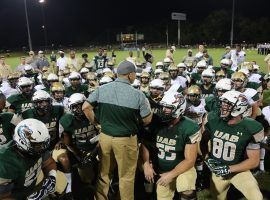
{"points": [[73, 62], [42, 61], [208, 59], [169, 52], [31, 59], [199, 55], [131, 58], [61, 61], [189, 58], [237, 56], [21, 66], [5, 69], [53, 57]]}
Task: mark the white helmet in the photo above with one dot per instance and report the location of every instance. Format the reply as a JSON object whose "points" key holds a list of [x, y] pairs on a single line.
{"points": [[224, 84], [28, 67], [256, 67], [105, 80], [158, 71], [245, 71], [208, 73], [174, 101], [226, 62], [74, 75], [237, 104], [201, 63], [181, 65], [52, 77], [136, 83], [106, 70], [157, 83], [24, 81], [84, 70], [37, 99], [32, 136], [159, 63], [167, 60], [73, 101]]}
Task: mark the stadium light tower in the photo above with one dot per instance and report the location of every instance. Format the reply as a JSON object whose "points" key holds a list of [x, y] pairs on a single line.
{"points": [[28, 27], [42, 2], [233, 8]]}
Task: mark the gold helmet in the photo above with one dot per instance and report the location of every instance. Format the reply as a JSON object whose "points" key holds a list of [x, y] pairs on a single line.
{"points": [[91, 76], [173, 67], [247, 65], [194, 90], [239, 77], [110, 63], [145, 75], [13, 75], [57, 86], [109, 74], [189, 63], [66, 71], [220, 74], [164, 75], [45, 75]]}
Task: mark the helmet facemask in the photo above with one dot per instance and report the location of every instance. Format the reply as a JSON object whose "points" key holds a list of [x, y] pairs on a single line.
{"points": [[76, 109], [43, 106]]}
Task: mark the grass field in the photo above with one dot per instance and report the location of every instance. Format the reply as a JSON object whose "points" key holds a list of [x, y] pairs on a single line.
{"points": [[159, 55]]}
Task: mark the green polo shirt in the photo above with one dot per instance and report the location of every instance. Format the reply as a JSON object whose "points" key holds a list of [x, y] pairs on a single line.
{"points": [[119, 108]]}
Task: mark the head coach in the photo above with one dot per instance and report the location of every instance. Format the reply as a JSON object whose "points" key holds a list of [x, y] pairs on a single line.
{"points": [[120, 109]]}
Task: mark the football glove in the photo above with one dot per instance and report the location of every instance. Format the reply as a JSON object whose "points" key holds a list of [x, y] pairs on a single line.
{"points": [[212, 163], [48, 187], [223, 170]]}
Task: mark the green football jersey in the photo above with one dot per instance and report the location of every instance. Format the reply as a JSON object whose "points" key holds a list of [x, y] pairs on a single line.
{"points": [[22, 171], [80, 130], [212, 103], [253, 85], [100, 62], [196, 78], [83, 89], [51, 120], [207, 92], [8, 122], [171, 141], [19, 103], [229, 142]]}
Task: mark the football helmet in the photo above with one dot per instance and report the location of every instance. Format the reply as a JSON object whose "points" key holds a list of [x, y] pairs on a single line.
{"points": [[13, 79], [166, 63], [104, 80], [233, 104], [194, 94], [58, 91], [208, 75], [201, 64], [32, 137], [156, 88], [173, 105], [165, 76], [75, 102], [159, 65], [225, 63], [42, 101], [158, 72], [223, 85], [66, 71], [136, 84], [84, 70], [74, 76], [220, 74], [239, 80], [52, 78], [173, 71], [25, 85], [109, 74], [182, 65]]}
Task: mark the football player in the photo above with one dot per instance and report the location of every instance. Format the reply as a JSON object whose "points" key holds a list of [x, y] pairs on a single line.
{"points": [[81, 139], [10, 87], [44, 111], [220, 75], [225, 66], [21, 162], [156, 92], [20, 102], [76, 85], [58, 95], [176, 139], [145, 79], [212, 103], [239, 84], [175, 79], [207, 87], [196, 76], [235, 147], [100, 61]]}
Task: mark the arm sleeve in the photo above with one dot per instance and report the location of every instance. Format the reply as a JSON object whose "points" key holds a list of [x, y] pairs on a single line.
{"points": [[144, 106], [93, 98]]}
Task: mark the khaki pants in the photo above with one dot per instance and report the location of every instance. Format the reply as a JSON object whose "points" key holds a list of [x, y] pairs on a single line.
{"points": [[244, 182], [123, 150], [184, 182]]}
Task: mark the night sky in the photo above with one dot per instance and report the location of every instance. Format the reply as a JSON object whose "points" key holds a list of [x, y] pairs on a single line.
{"points": [[66, 20]]}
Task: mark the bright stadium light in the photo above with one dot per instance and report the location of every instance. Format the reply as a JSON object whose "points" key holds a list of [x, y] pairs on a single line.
{"points": [[41, 1]]}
